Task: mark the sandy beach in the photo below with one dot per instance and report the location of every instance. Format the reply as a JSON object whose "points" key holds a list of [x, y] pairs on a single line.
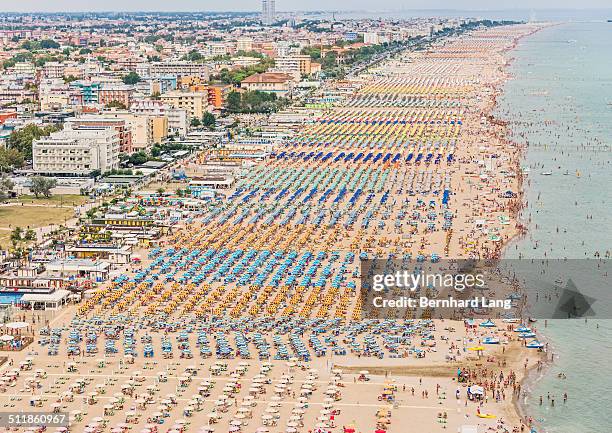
{"points": [[247, 318]]}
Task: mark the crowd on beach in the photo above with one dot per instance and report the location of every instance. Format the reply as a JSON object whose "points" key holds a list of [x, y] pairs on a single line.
{"points": [[247, 317]]}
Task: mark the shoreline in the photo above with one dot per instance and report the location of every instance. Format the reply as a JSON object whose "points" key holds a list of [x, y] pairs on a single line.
{"points": [[530, 379], [533, 374]]}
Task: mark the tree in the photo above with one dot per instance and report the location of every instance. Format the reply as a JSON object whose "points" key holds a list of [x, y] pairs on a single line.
{"points": [[21, 139], [233, 101], [42, 186], [46, 44], [131, 78], [116, 104], [16, 235], [6, 186], [138, 158], [209, 121], [10, 159], [30, 235], [70, 79], [193, 56], [195, 122], [254, 102]]}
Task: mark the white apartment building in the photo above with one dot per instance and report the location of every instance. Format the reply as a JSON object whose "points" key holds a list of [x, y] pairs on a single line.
{"points": [[24, 68], [295, 65], [244, 44], [149, 107], [282, 48], [177, 118], [178, 68], [370, 38], [214, 49], [177, 121], [53, 70], [76, 152], [143, 70]]}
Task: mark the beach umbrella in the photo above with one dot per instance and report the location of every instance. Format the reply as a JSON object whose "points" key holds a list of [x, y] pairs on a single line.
{"points": [[17, 325]]}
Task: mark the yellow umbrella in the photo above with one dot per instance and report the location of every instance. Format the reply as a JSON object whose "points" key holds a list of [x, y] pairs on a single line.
{"points": [[477, 348]]}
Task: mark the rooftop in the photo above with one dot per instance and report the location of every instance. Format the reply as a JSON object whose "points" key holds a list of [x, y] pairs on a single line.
{"points": [[268, 77]]}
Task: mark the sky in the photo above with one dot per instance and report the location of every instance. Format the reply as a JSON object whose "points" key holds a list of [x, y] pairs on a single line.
{"points": [[287, 5]]}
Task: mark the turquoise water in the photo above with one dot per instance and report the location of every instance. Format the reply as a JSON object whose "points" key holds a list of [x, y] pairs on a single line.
{"points": [[560, 102]]}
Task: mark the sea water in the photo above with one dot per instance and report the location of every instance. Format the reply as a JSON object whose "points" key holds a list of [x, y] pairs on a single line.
{"points": [[559, 100]]}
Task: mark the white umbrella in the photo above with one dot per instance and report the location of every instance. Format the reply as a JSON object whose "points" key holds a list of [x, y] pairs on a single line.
{"points": [[7, 338], [17, 325]]}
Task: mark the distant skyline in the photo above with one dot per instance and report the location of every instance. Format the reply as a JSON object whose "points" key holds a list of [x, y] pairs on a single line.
{"points": [[291, 5]]}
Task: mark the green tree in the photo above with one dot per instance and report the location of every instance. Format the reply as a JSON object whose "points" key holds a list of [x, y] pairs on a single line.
{"points": [[209, 121], [21, 139], [254, 102], [131, 78], [195, 122], [30, 235], [16, 235], [6, 186], [138, 158], [10, 159], [116, 104], [70, 79], [46, 44], [233, 102], [193, 55], [42, 186]]}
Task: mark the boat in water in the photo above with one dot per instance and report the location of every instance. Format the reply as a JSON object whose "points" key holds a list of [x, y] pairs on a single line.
{"points": [[546, 173]]}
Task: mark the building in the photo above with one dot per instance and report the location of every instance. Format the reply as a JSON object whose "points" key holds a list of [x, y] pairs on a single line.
{"points": [[270, 82], [282, 48], [296, 65], [115, 93], [177, 122], [194, 103], [217, 94], [178, 69], [113, 253], [268, 12], [53, 70], [149, 107], [97, 270], [76, 152], [107, 121], [89, 89], [216, 49], [370, 38], [55, 95], [244, 44], [243, 61], [24, 68]]}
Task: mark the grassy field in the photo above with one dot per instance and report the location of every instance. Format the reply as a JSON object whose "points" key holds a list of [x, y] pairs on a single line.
{"points": [[63, 200], [36, 212], [33, 216]]}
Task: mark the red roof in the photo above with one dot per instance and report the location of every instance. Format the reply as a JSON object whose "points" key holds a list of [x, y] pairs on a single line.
{"points": [[267, 77]]}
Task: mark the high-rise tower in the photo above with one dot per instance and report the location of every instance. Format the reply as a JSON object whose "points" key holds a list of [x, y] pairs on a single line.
{"points": [[268, 12]]}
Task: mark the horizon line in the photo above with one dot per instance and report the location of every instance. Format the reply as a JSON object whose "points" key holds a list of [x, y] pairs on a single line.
{"points": [[306, 10]]}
